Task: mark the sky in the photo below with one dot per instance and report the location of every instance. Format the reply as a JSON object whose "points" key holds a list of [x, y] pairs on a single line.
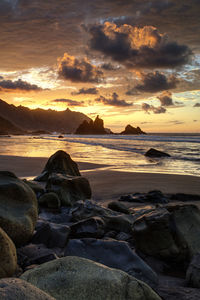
{"points": [[129, 61]]}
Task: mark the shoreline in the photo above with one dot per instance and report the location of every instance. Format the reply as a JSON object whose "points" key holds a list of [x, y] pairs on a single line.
{"points": [[106, 183]]}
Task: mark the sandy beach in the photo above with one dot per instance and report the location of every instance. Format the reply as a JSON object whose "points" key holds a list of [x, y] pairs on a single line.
{"points": [[106, 183]]}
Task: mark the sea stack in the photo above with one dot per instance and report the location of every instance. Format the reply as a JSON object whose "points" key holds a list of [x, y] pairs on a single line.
{"points": [[92, 127], [132, 130]]}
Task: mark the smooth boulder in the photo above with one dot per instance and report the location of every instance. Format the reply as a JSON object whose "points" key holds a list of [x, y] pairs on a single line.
{"points": [[18, 208], [8, 255], [69, 189], [113, 254], [18, 289], [50, 200], [77, 278]]}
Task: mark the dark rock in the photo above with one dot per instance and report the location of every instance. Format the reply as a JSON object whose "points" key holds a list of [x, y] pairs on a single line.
{"points": [[18, 208], [8, 255], [88, 209], [119, 207], [119, 223], [50, 234], [153, 197], [59, 162], [18, 289], [92, 127], [60, 136], [63, 216], [156, 153], [34, 254], [50, 200], [176, 293], [123, 236], [153, 235], [171, 233], [113, 254], [77, 278], [69, 189], [185, 197], [88, 228], [35, 186], [132, 130], [193, 272]]}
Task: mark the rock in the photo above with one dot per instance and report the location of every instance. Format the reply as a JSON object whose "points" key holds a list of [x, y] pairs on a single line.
{"points": [[18, 289], [77, 278], [171, 233], [18, 208], [8, 255], [156, 153], [63, 216], [34, 254], [35, 186], [123, 236], [113, 254], [92, 127], [117, 206], [60, 136], [176, 293], [193, 272], [50, 234], [69, 188], [153, 197], [88, 228], [59, 162], [119, 223], [187, 223], [153, 235], [88, 209], [185, 197], [132, 130], [50, 200]]}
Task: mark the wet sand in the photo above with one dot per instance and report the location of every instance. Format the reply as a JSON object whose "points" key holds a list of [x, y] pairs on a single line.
{"points": [[106, 183]]}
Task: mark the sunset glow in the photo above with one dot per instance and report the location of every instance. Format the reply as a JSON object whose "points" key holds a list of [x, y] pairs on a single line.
{"points": [[131, 62]]}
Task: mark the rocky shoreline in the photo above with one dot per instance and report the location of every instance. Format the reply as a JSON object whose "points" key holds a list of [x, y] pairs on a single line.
{"points": [[57, 243]]}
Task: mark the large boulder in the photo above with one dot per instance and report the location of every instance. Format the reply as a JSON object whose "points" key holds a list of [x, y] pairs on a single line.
{"points": [[88, 228], [156, 153], [18, 208], [51, 234], [49, 200], [113, 254], [8, 255], [193, 272], [77, 278], [18, 289], [69, 189], [59, 162], [169, 233]]}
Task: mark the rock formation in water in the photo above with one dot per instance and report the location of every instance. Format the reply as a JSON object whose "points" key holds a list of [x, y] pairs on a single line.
{"points": [[156, 153], [92, 127], [132, 130]]}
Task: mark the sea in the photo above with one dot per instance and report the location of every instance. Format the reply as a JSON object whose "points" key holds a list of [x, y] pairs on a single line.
{"points": [[116, 152]]}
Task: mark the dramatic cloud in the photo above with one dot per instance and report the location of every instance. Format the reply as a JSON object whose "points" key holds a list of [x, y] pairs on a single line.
{"points": [[69, 102], [138, 47], [156, 110], [196, 105], [18, 85], [78, 70], [166, 99], [90, 91], [153, 82], [109, 67], [114, 101]]}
